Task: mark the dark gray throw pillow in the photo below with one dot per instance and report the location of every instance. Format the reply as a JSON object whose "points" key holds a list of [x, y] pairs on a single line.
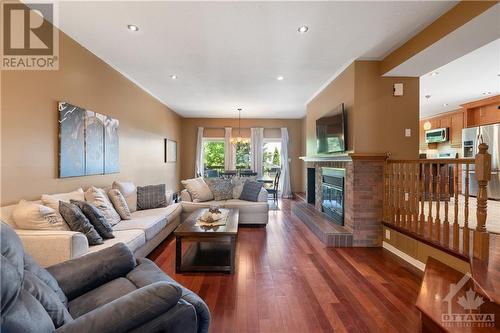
{"points": [[251, 191], [77, 221], [96, 218], [151, 196]]}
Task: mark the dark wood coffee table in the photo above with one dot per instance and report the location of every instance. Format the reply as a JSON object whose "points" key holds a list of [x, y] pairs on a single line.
{"points": [[211, 249]]}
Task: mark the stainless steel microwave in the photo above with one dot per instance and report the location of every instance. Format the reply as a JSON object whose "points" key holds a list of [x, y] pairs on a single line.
{"points": [[436, 135]]}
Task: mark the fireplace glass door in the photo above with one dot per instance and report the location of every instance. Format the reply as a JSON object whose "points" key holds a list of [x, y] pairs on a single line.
{"points": [[332, 190]]}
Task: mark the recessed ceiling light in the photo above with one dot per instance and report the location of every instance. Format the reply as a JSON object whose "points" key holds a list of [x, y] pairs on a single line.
{"points": [[132, 27], [434, 73], [486, 92], [445, 104], [174, 77], [280, 78], [303, 29]]}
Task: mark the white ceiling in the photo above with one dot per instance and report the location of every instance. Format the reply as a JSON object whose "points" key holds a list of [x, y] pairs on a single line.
{"points": [[462, 80], [228, 54]]}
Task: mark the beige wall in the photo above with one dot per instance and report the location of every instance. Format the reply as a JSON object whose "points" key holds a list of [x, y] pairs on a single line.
{"points": [[340, 90], [29, 125], [215, 128], [376, 119], [380, 119]]}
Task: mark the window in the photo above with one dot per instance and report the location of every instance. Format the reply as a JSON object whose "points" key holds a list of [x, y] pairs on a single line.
{"points": [[213, 154], [242, 155], [271, 156]]}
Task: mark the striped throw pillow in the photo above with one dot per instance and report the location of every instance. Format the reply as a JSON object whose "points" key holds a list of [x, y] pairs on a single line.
{"points": [[151, 196]]}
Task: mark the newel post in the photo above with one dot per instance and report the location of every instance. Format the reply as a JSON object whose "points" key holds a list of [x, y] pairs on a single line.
{"points": [[483, 174]]}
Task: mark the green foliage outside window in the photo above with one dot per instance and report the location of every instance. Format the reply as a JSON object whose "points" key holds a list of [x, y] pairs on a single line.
{"points": [[213, 155], [276, 157], [242, 156]]}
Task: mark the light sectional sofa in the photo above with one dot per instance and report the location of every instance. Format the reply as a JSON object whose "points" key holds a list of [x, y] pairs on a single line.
{"points": [[142, 233]]}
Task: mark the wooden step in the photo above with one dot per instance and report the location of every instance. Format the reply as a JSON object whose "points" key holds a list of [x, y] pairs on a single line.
{"points": [[440, 245], [487, 273], [330, 233], [448, 303]]}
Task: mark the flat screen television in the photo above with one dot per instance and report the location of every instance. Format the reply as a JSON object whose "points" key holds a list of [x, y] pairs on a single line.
{"points": [[331, 136]]}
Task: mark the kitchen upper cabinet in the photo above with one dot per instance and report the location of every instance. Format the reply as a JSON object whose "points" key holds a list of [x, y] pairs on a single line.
{"points": [[435, 123], [457, 124], [444, 122], [483, 112]]}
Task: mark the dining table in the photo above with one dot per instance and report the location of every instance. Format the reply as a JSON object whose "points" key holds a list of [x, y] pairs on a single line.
{"points": [[265, 180]]}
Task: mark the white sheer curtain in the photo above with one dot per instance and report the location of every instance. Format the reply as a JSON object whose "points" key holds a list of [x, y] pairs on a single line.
{"points": [[286, 189], [257, 145], [228, 150], [198, 168]]}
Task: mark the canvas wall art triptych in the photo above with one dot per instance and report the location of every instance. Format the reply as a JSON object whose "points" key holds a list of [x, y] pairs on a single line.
{"points": [[88, 142]]}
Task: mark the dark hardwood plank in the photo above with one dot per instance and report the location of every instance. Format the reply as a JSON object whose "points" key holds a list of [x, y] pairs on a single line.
{"points": [[286, 280], [442, 283]]}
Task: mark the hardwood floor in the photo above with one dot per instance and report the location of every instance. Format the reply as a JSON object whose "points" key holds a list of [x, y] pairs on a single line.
{"points": [[287, 281]]}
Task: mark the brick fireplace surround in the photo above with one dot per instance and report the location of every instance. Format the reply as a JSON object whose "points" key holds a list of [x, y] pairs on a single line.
{"points": [[363, 195]]}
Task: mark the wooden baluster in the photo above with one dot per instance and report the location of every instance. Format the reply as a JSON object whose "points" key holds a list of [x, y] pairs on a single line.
{"points": [[422, 199], [430, 221], [446, 223], [394, 193], [385, 213], [456, 230], [483, 174], [400, 210], [405, 195], [415, 197], [437, 221], [465, 230]]}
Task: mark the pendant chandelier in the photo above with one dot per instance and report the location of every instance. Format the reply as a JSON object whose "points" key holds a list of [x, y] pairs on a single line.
{"points": [[239, 139]]}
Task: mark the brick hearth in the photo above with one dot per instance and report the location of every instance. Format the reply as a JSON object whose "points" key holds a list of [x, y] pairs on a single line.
{"points": [[363, 195]]}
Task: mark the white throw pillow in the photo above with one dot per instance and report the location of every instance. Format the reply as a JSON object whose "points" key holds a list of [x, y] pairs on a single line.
{"points": [[119, 203], [52, 200], [198, 189], [129, 192], [99, 198], [32, 216]]}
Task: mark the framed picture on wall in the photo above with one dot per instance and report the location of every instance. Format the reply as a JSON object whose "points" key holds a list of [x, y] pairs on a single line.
{"points": [[88, 142], [170, 151]]}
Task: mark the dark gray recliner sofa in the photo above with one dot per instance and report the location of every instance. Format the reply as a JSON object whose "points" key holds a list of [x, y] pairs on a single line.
{"points": [[105, 291]]}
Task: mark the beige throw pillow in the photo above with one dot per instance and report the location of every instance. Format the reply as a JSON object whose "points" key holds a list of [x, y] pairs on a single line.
{"points": [[32, 216], [129, 192], [198, 189], [99, 198], [119, 203], [52, 200]]}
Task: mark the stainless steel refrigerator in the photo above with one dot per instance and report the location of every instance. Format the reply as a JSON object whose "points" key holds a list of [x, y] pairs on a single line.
{"points": [[471, 138]]}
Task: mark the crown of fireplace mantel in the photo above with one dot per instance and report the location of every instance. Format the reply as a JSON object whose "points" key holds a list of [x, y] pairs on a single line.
{"points": [[345, 157]]}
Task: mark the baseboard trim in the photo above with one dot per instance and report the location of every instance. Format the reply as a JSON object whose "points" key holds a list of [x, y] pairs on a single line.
{"points": [[412, 261]]}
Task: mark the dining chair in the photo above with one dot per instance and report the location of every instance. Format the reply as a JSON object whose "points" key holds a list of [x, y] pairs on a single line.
{"points": [[247, 173], [274, 189], [212, 173], [228, 174]]}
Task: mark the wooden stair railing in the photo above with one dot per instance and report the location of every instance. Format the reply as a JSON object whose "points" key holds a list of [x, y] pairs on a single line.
{"points": [[417, 198]]}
